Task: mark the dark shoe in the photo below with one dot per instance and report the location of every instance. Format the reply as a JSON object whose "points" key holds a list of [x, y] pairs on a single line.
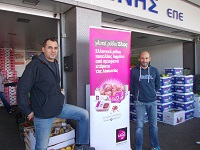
{"points": [[12, 110], [83, 147]]}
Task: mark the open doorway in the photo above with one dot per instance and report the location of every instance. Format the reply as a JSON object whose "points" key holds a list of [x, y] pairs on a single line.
{"points": [[21, 37]]}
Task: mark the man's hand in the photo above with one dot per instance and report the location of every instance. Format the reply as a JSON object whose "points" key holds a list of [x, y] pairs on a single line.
{"points": [[30, 116]]}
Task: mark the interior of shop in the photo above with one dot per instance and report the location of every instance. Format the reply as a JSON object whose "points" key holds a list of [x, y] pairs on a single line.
{"points": [[25, 33]]}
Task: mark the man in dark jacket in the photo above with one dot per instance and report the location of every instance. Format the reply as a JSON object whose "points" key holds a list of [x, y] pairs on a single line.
{"points": [[41, 78], [145, 81]]}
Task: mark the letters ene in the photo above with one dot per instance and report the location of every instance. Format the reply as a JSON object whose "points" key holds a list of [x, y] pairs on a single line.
{"points": [[175, 14]]}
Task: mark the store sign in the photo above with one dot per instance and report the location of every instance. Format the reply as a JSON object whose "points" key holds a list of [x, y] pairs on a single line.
{"points": [[109, 89], [150, 6]]}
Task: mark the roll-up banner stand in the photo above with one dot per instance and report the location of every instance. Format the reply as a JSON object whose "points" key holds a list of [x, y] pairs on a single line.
{"points": [[109, 89]]}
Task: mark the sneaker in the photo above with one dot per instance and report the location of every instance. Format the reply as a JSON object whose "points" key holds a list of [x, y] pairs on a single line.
{"points": [[198, 142], [83, 147], [158, 148]]}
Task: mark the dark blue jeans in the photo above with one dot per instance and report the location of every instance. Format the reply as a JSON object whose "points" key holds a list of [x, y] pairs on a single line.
{"points": [[5, 102]]}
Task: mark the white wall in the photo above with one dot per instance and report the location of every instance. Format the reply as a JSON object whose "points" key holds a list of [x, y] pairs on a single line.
{"points": [[20, 69], [165, 56]]}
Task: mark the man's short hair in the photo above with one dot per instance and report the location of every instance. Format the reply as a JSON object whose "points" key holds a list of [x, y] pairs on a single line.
{"points": [[53, 39]]}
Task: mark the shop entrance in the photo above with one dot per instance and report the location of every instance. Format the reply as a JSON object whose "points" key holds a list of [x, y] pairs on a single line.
{"points": [[21, 37]]}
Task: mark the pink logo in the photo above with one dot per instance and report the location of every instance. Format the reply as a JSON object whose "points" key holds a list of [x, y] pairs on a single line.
{"points": [[121, 135]]}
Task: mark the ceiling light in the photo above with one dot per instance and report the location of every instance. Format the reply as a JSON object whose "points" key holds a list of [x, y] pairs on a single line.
{"points": [[31, 2]]}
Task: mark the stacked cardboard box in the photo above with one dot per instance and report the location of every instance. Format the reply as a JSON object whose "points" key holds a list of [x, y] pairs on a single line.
{"points": [[7, 62], [182, 91], [184, 96], [164, 97]]}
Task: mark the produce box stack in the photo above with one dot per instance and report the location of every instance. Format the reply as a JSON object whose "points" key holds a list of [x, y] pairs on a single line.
{"points": [[183, 96], [11, 75], [7, 63], [164, 96], [62, 136], [133, 111]]}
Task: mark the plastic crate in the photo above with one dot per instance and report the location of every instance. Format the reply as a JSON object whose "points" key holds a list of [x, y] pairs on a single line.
{"points": [[184, 97], [183, 88], [164, 106], [164, 90], [173, 96], [165, 81], [189, 114], [172, 87], [160, 116], [164, 98], [184, 105], [173, 80], [174, 71], [184, 79]]}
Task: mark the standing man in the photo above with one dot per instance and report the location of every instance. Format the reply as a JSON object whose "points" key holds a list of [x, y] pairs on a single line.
{"points": [[3, 81], [41, 78], [145, 81]]}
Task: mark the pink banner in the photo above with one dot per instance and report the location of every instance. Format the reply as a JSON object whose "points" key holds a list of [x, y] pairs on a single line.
{"points": [[109, 63], [109, 89]]}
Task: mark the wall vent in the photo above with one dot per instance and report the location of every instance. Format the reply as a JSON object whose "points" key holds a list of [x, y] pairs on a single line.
{"points": [[23, 20], [153, 26], [141, 37], [177, 31], [31, 2], [120, 20], [160, 40]]}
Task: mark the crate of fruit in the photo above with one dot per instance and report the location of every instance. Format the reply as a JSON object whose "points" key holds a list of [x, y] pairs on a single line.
{"points": [[174, 71], [183, 88], [185, 97], [184, 79], [165, 81]]}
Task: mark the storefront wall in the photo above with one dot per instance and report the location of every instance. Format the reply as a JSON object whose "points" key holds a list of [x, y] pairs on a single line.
{"points": [[171, 13], [76, 43]]}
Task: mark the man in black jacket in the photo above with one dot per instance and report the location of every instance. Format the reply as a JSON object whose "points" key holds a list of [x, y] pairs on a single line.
{"points": [[41, 78]]}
